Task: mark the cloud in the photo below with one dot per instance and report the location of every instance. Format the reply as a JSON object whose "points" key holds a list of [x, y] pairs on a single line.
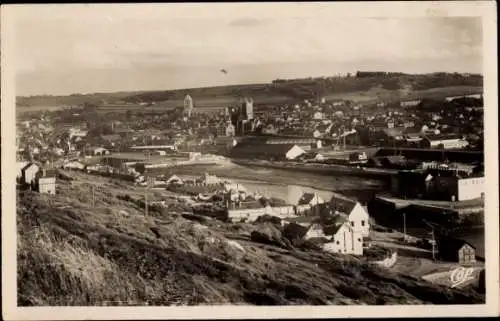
{"points": [[119, 40]]}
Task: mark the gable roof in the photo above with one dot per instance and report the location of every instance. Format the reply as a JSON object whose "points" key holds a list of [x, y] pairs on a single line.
{"points": [[341, 204], [28, 165], [306, 198], [333, 228]]}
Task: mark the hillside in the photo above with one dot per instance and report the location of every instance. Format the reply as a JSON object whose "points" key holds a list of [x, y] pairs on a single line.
{"points": [[73, 252], [361, 87]]}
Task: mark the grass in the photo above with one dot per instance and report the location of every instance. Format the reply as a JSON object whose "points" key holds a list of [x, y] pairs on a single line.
{"points": [[71, 252]]}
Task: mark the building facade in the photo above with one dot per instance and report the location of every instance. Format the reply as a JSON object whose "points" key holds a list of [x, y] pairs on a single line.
{"points": [[188, 105], [345, 241], [470, 188], [47, 185]]}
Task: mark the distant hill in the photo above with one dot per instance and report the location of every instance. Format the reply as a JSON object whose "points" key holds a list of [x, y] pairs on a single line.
{"points": [[362, 86]]}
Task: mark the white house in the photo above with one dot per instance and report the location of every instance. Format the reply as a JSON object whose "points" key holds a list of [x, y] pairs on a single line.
{"points": [[340, 236], [357, 215], [344, 240], [318, 115], [409, 103], [74, 165], [470, 188], [47, 185], [20, 166], [28, 173], [446, 142]]}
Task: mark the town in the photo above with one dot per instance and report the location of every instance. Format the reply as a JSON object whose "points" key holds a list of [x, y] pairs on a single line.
{"points": [[424, 155]]}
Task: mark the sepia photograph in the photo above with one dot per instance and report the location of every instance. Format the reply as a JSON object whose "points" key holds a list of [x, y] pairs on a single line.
{"points": [[247, 155]]}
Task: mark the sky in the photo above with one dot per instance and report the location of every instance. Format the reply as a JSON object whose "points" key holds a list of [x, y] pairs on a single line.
{"points": [[85, 49]]}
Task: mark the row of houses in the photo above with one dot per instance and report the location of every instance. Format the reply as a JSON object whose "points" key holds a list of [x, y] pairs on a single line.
{"points": [[37, 178]]}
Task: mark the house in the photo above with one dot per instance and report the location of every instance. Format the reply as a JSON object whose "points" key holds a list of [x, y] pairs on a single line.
{"points": [[308, 201], [99, 151], [73, 165], [28, 173], [344, 239], [356, 213], [409, 103], [358, 158], [20, 166], [445, 141], [336, 236], [46, 182], [456, 250]]}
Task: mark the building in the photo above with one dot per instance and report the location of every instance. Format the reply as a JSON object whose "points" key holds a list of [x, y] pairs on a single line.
{"points": [[357, 215], [267, 151], [230, 130], [188, 105], [344, 239], [20, 166], [456, 250], [409, 103], [46, 182], [469, 188], [73, 165], [28, 173], [445, 142], [358, 158], [247, 108], [336, 236], [308, 201]]}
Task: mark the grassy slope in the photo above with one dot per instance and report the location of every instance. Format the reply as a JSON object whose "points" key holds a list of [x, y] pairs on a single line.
{"points": [[72, 253]]}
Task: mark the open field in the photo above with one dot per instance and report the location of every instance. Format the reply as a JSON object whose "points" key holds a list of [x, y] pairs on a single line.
{"points": [[72, 251], [390, 95]]}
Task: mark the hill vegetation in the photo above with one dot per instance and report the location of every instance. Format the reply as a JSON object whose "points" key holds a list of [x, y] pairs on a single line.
{"points": [[74, 252], [293, 89]]}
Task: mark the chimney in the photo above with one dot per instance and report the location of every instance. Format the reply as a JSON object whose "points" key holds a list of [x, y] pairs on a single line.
{"points": [[44, 172]]}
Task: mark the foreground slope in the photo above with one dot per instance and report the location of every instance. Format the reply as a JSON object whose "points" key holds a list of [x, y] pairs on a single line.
{"points": [[74, 252]]}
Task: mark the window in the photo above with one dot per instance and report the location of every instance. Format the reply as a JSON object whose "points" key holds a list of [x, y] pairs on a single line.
{"points": [[363, 223], [352, 223], [338, 242], [359, 240]]}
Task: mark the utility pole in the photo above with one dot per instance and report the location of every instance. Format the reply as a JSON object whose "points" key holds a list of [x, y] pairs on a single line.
{"points": [[146, 190], [146, 197], [93, 195], [404, 227], [433, 245]]}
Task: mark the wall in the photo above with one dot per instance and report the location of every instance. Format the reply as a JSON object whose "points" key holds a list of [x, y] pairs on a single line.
{"points": [[449, 144], [470, 188], [358, 216], [47, 185], [349, 242]]}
